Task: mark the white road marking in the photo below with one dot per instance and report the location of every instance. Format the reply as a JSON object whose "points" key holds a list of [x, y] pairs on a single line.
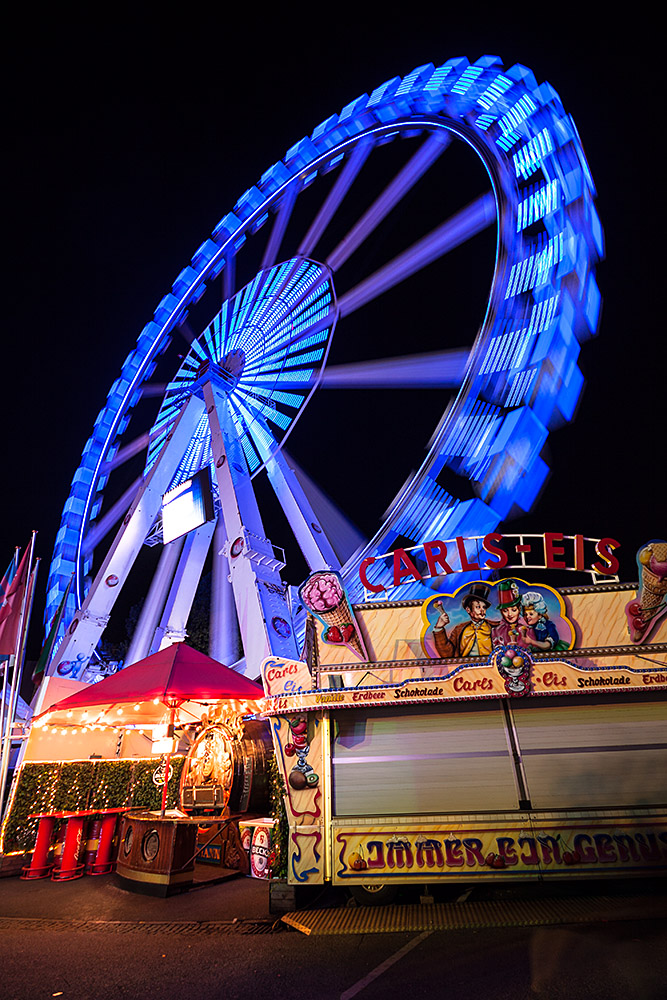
{"points": [[363, 983]]}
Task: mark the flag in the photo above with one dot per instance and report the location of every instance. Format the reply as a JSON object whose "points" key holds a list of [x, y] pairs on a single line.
{"points": [[10, 612], [4, 587], [50, 641], [8, 577]]}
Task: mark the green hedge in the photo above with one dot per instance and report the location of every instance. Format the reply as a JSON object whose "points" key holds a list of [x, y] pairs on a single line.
{"points": [[278, 813], [71, 786]]}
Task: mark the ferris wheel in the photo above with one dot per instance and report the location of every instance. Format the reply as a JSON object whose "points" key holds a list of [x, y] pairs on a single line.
{"points": [[242, 347]]}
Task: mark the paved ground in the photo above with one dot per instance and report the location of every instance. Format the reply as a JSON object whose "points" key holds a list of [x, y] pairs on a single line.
{"points": [[99, 898], [89, 939]]}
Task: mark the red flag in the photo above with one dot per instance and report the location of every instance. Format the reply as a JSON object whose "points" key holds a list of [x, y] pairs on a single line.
{"points": [[10, 612]]}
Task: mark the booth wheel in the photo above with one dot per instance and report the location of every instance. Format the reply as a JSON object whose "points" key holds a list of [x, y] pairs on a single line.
{"points": [[374, 894]]}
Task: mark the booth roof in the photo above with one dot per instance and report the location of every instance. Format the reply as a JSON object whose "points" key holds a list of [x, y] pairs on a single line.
{"points": [[177, 673]]}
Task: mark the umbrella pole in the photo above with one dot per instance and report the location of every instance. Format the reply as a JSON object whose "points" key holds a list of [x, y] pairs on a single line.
{"points": [[172, 719]]}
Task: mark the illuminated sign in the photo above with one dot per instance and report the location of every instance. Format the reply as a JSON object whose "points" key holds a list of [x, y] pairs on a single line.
{"points": [[494, 679], [281, 676], [187, 506], [494, 551], [479, 849]]}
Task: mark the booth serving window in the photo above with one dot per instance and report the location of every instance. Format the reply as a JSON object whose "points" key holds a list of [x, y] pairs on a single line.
{"points": [[592, 751], [416, 760]]}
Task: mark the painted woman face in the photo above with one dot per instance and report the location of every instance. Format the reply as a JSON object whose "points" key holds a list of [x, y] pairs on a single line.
{"points": [[530, 614], [511, 614]]}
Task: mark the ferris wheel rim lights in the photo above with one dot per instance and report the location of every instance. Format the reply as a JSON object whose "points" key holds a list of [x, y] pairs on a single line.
{"points": [[527, 133]]}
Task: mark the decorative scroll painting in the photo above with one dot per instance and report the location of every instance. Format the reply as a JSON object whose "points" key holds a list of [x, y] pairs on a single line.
{"points": [[298, 743], [480, 849]]}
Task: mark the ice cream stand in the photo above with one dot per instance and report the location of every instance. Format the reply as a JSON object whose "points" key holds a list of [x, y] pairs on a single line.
{"points": [[412, 752]]}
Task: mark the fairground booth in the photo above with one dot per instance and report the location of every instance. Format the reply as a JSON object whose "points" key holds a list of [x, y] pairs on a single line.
{"points": [[500, 729]]}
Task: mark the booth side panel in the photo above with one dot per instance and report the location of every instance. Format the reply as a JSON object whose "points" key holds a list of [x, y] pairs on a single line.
{"points": [[299, 744]]}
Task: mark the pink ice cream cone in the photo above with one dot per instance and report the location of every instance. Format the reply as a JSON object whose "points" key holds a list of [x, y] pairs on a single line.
{"points": [[324, 596]]}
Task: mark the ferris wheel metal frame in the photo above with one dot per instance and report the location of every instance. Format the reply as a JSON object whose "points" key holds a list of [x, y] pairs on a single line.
{"points": [[520, 378]]}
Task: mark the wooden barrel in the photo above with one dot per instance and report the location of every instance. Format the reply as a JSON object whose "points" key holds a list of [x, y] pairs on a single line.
{"points": [[156, 855], [222, 773], [250, 789]]}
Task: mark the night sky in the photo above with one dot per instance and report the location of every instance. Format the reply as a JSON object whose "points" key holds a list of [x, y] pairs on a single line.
{"points": [[127, 141]]}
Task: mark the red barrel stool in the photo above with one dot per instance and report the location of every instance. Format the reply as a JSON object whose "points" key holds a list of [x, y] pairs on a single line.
{"points": [[70, 866], [40, 866], [92, 844], [104, 861]]}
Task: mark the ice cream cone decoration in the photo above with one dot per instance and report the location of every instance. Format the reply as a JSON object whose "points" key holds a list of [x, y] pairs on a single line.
{"points": [[644, 613], [324, 596]]}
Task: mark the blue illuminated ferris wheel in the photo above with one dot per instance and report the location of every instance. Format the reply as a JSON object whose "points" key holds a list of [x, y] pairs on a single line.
{"points": [[277, 284]]}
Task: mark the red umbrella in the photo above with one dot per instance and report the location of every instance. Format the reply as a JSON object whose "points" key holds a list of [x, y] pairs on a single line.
{"points": [[175, 675]]}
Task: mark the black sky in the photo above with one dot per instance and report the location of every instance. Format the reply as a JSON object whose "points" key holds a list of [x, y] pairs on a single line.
{"points": [[128, 139]]}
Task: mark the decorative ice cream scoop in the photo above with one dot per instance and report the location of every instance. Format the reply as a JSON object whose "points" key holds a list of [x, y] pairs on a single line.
{"points": [[324, 595]]}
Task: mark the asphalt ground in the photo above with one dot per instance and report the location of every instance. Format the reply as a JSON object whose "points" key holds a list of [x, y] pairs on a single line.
{"points": [[99, 898], [89, 939], [245, 901]]}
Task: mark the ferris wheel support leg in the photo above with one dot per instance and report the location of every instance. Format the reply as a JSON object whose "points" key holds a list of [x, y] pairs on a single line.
{"points": [[224, 641], [183, 588], [259, 593], [307, 530], [154, 602], [90, 621]]}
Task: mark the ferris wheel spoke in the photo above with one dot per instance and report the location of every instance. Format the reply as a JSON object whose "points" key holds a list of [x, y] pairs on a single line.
{"points": [[439, 369], [186, 331], [304, 523], [149, 390], [471, 220], [416, 167], [342, 533], [333, 200], [229, 275], [280, 224], [108, 521], [127, 452]]}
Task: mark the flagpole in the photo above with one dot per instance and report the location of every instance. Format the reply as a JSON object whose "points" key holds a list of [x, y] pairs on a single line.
{"points": [[26, 607], [20, 663], [9, 664], [23, 644]]}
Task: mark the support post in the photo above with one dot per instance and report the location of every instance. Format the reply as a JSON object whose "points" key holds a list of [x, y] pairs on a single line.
{"points": [[224, 639], [184, 587], [259, 594], [154, 602], [89, 622]]}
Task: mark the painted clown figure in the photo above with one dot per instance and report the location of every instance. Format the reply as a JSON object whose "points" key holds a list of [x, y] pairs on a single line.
{"points": [[512, 630]]}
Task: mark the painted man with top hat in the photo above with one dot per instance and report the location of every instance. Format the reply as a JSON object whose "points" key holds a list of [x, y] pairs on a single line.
{"points": [[512, 630], [471, 638]]}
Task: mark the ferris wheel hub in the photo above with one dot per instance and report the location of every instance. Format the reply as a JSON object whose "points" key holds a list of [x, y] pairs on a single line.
{"points": [[265, 349], [233, 364]]}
